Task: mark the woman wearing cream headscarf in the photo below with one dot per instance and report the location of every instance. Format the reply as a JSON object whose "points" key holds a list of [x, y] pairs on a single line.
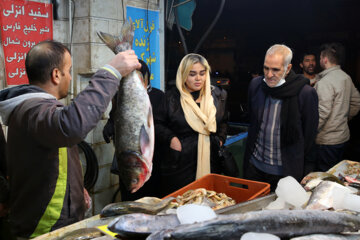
{"points": [[192, 125]]}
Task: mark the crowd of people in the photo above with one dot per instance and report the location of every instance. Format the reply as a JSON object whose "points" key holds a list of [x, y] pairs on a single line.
{"points": [[298, 124]]}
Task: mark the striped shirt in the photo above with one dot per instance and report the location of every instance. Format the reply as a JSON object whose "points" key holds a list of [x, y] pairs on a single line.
{"points": [[267, 153]]}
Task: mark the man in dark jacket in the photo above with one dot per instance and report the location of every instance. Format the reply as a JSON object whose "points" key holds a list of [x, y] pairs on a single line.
{"points": [[43, 166], [284, 116]]}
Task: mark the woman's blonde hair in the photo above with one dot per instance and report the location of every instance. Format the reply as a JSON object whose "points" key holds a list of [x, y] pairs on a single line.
{"points": [[184, 69]]}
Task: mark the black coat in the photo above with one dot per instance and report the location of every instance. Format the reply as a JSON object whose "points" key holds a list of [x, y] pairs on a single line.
{"points": [[293, 155], [179, 168]]}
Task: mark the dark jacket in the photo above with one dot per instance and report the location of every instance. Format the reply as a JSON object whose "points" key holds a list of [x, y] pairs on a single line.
{"points": [[292, 155], [4, 186], [179, 168], [43, 163]]}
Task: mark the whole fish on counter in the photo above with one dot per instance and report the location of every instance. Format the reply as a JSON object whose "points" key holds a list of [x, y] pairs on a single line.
{"points": [[82, 234], [134, 126], [327, 195], [141, 225], [313, 179], [282, 223], [127, 207]]}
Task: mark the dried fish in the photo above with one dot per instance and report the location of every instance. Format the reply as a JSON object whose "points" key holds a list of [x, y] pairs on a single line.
{"points": [[202, 196]]}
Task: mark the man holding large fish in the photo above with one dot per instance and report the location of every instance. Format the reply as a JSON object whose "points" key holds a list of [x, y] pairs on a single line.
{"points": [[43, 167]]}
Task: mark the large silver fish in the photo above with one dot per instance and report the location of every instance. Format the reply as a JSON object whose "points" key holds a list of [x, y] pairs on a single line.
{"points": [[82, 234], [138, 225], [326, 195], [313, 179], [134, 126], [126, 207], [282, 223]]}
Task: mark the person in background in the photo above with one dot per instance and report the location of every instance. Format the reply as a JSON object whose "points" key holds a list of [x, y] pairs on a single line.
{"points": [[308, 66], [43, 166], [151, 187], [283, 112], [339, 101], [191, 126]]}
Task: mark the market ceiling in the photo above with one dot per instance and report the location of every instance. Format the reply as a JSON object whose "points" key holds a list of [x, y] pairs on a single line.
{"points": [[278, 16]]}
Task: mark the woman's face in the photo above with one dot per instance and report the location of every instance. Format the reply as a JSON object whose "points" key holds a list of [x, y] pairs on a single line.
{"points": [[196, 79]]}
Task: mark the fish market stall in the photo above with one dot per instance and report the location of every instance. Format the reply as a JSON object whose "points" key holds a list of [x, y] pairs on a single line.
{"points": [[328, 209]]}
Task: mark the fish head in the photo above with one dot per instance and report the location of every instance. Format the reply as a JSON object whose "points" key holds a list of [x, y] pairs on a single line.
{"points": [[133, 170]]}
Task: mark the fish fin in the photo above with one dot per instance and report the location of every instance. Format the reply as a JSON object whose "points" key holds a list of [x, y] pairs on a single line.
{"points": [[127, 32], [142, 78], [144, 140], [110, 40], [121, 43], [147, 79], [149, 117]]}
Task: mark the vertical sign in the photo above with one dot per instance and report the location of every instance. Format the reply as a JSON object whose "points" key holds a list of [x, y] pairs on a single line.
{"points": [[23, 24], [146, 40]]}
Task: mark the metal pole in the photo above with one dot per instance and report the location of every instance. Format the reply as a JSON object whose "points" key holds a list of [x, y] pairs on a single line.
{"points": [[70, 46]]}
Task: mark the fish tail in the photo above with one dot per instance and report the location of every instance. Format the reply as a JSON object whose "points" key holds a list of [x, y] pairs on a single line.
{"points": [[121, 43], [110, 40], [127, 32]]}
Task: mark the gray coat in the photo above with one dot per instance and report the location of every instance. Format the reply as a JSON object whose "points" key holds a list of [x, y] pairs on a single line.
{"points": [[339, 101]]}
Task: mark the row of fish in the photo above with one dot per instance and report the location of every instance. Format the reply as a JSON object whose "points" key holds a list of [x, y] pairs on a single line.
{"points": [[282, 223]]}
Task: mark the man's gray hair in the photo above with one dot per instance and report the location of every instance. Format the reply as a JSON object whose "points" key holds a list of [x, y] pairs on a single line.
{"points": [[283, 50]]}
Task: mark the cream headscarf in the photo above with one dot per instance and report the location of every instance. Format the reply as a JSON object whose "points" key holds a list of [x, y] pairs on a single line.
{"points": [[201, 119]]}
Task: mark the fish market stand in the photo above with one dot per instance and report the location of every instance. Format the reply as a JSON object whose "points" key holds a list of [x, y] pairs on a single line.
{"points": [[246, 208], [94, 221], [252, 205]]}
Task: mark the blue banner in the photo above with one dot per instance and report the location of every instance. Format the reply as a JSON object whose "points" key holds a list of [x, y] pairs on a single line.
{"points": [[146, 40]]}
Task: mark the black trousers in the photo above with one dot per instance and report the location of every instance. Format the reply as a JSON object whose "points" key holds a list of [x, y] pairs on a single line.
{"points": [[329, 155], [253, 173]]}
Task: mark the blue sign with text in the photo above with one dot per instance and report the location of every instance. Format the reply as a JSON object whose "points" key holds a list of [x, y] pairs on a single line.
{"points": [[146, 40]]}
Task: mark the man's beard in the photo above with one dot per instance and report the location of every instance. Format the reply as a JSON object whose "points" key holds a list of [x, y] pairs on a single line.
{"points": [[306, 70]]}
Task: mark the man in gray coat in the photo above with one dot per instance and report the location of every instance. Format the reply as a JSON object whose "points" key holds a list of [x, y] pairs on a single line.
{"points": [[339, 101]]}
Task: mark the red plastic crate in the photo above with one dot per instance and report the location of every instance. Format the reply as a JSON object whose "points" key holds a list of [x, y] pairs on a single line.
{"points": [[240, 190]]}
